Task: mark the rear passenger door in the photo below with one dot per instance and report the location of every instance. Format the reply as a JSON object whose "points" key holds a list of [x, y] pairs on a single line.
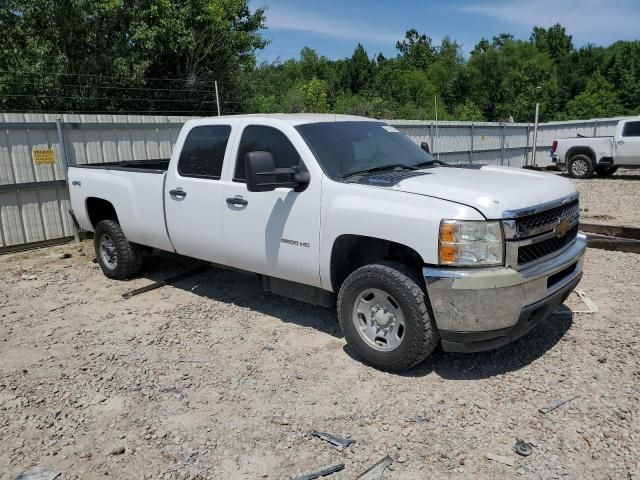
{"points": [[193, 194], [628, 144]]}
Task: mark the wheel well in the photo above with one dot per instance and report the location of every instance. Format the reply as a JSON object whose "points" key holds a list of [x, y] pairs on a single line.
{"points": [[351, 252], [581, 151], [99, 209]]}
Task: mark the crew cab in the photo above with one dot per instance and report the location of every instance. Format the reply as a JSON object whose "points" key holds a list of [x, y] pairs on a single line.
{"points": [[348, 211], [584, 156]]}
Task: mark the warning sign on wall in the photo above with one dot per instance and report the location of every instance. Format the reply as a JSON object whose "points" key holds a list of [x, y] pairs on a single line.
{"points": [[43, 156]]}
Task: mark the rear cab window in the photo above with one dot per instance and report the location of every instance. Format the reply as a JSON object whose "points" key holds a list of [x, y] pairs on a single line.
{"points": [[265, 139], [203, 152]]}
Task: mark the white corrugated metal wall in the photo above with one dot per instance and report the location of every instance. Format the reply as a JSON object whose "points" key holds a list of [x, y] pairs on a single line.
{"points": [[507, 144], [34, 199]]}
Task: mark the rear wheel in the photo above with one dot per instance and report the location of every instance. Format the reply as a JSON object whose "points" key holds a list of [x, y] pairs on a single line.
{"points": [[607, 171], [382, 309], [117, 257], [580, 166]]}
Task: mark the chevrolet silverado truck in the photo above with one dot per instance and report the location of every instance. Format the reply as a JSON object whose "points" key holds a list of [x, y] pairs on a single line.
{"points": [[348, 211], [584, 156]]}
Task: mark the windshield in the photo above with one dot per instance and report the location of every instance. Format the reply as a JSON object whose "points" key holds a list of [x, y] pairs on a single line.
{"points": [[343, 148]]}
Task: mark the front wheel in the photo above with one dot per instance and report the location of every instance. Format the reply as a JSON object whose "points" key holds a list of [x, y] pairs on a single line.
{"points": [[117, 257], [382, 309]]}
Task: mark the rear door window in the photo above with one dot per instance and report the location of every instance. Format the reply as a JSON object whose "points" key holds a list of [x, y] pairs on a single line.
{"points": [[203, 152], [631, 129]]}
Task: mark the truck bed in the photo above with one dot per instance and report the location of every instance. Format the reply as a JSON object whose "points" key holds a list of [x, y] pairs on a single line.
{"points": [[159, 165]]}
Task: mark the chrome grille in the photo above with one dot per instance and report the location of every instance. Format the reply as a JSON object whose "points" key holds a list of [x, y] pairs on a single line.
{"points": [[531, 224], [531, 253], [540, 232]]}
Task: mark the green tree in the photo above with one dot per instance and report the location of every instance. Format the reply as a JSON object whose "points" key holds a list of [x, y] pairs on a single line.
{"points": [[416, 49], [315, 96], [468, 111], [597, 101], [106, 55], [359, 69], [553, 40]]}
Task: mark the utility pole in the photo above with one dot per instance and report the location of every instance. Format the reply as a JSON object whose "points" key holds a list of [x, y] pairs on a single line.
{"points": [[535, 134], [435, 103], [217, 96]]}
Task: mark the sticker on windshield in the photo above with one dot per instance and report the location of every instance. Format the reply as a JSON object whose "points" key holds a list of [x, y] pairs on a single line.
{"points": [[389, 128]]}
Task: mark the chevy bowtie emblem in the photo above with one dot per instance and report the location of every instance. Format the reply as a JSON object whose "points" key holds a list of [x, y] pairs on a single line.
{"points": [[563, 227]]}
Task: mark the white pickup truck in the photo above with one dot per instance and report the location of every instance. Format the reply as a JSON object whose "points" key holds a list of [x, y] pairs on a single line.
{"points": [[337, 209], [584, 156]]}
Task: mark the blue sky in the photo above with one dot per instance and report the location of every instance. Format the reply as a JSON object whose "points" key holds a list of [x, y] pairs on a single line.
{"points": [[334, 27]]}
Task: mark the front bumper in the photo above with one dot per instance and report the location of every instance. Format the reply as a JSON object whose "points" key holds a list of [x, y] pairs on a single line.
{"points": [[480, 309]]}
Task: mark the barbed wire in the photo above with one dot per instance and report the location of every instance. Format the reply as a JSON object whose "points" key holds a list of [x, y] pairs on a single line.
{"points": [[143, 78]]}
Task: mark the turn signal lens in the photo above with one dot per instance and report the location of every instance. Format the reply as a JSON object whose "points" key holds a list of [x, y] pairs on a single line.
{"points": [[471, 243]]}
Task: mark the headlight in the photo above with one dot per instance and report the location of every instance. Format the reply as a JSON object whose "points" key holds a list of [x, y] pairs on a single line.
{"points": [[470, 243]]}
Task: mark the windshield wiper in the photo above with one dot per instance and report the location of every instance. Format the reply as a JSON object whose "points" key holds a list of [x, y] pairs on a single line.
{"points": [[382, 168], [428, 163]]}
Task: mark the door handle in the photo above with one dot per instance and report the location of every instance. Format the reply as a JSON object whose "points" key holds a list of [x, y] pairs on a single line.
{"points": [[237, 201], [178, 192], [620, 142]]}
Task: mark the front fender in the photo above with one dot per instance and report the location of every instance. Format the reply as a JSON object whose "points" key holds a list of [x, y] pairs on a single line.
{"points": [[405, 218]]}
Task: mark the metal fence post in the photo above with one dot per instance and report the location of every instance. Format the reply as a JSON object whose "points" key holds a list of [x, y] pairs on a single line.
{"points": [[502, 145], [65, 159], [526, 150], [63, 148], [431, 145], [471, 151]]}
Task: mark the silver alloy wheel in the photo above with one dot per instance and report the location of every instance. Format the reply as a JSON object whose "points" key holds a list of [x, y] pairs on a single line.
{"points": [[108, 252], [579, 167], [378, 319]]}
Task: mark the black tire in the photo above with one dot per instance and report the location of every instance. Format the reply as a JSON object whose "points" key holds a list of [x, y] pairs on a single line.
{"points": [[607, 171], [420, 335], [580, 166], [128, 256]]}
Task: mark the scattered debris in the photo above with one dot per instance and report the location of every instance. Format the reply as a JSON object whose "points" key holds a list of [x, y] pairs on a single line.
{"points": [[563, 376], [321, 473], [118, 451], [64, 256], [593, 308], [167, 281], [38, 473], [551, 407], [334, 440], [523, 448], [28, 277], [376, 471], [501, 459]]}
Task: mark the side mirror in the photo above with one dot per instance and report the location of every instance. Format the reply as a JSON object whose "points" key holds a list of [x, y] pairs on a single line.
{"points": [[260, 170], [425, 146], [263, 176]]}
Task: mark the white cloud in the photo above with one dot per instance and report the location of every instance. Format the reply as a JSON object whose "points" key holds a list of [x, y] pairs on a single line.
{"points": [[588, 20], [330, 27]]}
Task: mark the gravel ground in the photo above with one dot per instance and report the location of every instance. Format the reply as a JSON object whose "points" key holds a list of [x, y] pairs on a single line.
{"points": [[612, 200], [213, 378]]}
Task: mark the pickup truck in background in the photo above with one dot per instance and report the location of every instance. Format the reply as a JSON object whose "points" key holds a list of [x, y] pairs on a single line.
{"points": [[347, 211], [584, 156]]}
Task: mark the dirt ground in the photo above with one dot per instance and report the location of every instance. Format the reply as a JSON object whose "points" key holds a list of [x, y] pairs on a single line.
{"points": [[611, 200], [212, 378]]}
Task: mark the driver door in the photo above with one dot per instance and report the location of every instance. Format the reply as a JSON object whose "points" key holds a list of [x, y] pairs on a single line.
{"points": [[273, 233]]}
